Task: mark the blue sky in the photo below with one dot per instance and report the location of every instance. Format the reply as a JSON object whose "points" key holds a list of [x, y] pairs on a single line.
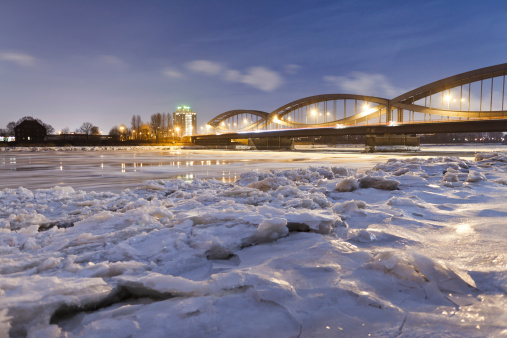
{"points": [[67, 62]]}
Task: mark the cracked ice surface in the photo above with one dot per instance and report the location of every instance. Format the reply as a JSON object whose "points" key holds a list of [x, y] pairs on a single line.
{"points": [[411, 247]]}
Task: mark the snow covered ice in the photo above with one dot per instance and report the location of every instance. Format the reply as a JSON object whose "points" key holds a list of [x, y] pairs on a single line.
{"points": [[411, 247]]}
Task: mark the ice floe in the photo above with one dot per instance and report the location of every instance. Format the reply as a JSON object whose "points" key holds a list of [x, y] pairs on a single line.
{"points": [[411, 247]]}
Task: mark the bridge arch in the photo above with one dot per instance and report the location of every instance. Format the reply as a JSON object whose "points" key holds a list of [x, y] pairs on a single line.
{"points": [[281, 116], [254, 118], [462, 96], [477, 94]]}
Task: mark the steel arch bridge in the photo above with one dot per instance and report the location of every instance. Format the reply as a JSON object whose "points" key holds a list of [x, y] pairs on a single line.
{"points": [[472, 96]]}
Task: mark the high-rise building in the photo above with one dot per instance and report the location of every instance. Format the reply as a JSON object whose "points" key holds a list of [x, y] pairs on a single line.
{"points": [[185, 121]]}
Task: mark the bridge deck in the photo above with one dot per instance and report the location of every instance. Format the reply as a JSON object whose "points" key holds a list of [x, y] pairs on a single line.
{"points": [[413, 128]]}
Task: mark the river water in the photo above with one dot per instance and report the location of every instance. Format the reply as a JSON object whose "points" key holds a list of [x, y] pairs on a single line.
{"points": [[106, 170]]}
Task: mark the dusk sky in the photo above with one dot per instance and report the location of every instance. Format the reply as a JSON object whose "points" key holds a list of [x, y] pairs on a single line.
{"points": [[67, 62]]}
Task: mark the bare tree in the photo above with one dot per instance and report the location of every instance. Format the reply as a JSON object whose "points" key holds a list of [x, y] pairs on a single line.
{"points": [[167, 124], [10, 128], [156, 124], [65, 130], [136, 125], [86, 128], [95, 130], [4, 134], [115, 131]]}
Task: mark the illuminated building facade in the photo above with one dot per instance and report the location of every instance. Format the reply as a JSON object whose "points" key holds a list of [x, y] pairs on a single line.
{"points": [[185, 121]]}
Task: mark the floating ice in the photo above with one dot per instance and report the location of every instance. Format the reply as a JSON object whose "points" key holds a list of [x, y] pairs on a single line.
{"points": [[267, 255]]}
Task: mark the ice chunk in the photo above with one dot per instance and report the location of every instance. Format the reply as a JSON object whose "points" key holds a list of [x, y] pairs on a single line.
{"points": [[270, 183], [378, 183], [5, 324], [349, 206], [401, 171], [155, 284], [340, 171], [306, 221], [247, 178], [347, 184], [474, 176], [361, 235], [272, 228], [403, 202]]}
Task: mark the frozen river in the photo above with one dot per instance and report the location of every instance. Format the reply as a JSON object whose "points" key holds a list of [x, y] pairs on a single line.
{"points": [[414, 247], [116, 170]]}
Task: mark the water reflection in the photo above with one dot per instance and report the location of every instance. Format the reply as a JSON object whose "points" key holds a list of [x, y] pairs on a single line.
{"points": [[138, 166], [116, 171]]}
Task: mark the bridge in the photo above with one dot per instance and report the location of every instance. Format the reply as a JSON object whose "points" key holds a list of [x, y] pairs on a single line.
{"points": [[469, 102]]}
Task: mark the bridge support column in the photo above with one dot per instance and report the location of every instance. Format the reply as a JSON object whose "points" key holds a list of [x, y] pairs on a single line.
{"points": [[391, 143], [389, 113], [271, 143], [400, 115]]}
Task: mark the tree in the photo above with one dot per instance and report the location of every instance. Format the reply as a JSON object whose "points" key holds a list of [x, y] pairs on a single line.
{"points": [[144, 131], [49, 128], [10, 128], [86, 128], [169, 124], [114, 131], [95, 130], [156, 124], [65, 130], [4, 134], [136, 125]]}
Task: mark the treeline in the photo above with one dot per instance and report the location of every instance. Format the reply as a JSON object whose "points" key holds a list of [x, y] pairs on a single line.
{"points": [[159, 126], [86, 128]]}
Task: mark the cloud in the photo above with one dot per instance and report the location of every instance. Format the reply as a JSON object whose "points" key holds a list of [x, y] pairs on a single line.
{"points": [[261, 78], [365, 84], [233, 75], [292, 69], [172, 73], [20, 59], [113, 61], [205, 66], [258, 77]]}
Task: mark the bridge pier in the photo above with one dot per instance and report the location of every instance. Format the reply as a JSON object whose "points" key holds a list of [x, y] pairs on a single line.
{"points": [[271, 143], [400, 115], [391, 143]]}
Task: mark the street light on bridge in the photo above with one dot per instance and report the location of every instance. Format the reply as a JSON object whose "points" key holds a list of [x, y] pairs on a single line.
{"points": [[448, 99], [314, 114]]}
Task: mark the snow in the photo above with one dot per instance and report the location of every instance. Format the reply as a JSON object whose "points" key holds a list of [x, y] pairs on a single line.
{"points": [[413, 246]]}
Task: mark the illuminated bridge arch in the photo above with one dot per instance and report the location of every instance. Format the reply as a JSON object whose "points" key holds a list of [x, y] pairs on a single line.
{"points": [[238, 120], [328, 110], [314, 111], [477, 94]]}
